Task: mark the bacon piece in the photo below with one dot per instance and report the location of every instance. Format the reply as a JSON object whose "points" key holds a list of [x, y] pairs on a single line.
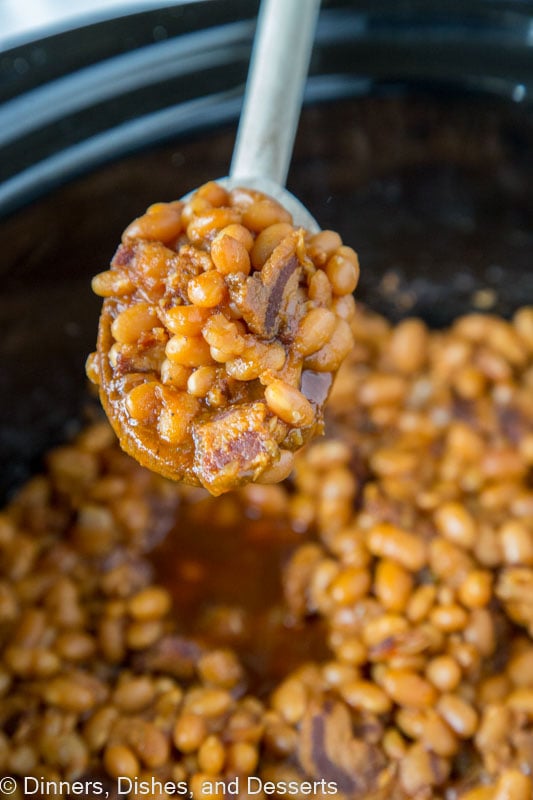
{"points": [[264, 298], [329, 750], [235, 446]]}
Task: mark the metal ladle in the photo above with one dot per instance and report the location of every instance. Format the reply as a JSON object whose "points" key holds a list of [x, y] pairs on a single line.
{"points": [[272, 103], [263, 149]]}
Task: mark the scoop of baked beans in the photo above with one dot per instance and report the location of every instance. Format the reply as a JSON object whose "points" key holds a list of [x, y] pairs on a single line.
{"points": [[222, 328]]}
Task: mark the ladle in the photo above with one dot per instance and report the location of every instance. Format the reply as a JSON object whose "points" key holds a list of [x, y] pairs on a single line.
{"points": [[272, 103], [207, 372]]}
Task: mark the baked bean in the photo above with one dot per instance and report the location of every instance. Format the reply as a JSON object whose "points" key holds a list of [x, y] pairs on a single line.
{"points": [[134, 694], [449, 618], [280, 470], [466, 655], [448, 561], [331, 355], [214, 193], [111, 639], [267, 241], [505, 340], [526, 448], [348, 253], [382, 388], [201, 381], [420, 603], [112, 283], [394, 745], [75, 646], [69, 694], [243, 757], [351, 651], [263, 213], [209, 702], [383, 628], [161, 223], [195, 205], [323, 245], [513, 785], [521, 699], [203, 785], [502, 462], [98, 727], [189, 732], [410, 721], [320, 289], [179, 409], [149, 743], [350, 585], [388, 541], [151, 603], [143, 633], [230, 255], [366, 696], [289, 403], [143, 402], [444, 673], [523, 324], [469, 382], [206, 224], [393, 585], [336, 674], [493, 690], [92, 368], [455, 523], [290, 699], [392, 461], [224, 334], [188, 351], [409, 689], [516, 542], [494, 726], [476, 590], [220, 667], [420, 769], [207, 290], [408, 346], [174, 374], [437, 736], [338, 485], [187, 320], [344, 307], [460, 715], [520, 668], [240, 233], [343, 274], [119, 761], [130, 323], [211, 755], [328, 453], [315, 330]]}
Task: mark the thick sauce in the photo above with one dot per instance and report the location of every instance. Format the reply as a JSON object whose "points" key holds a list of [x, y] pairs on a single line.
{"points": [[226, 583], [222, 327]]}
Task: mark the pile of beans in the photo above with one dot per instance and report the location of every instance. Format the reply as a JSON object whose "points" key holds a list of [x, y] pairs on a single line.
{"points": [[416, 556], [424, 565], [222, 326]]}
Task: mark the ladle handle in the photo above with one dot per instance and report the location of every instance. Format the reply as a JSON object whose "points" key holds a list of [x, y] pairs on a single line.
{"points": [[274, 89]]}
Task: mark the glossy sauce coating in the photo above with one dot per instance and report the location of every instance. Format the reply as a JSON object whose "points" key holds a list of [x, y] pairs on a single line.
{"points": [[222, 328]]}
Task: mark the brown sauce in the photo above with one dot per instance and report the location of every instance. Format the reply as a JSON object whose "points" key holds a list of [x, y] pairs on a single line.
{"points": [[226, 584]]}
